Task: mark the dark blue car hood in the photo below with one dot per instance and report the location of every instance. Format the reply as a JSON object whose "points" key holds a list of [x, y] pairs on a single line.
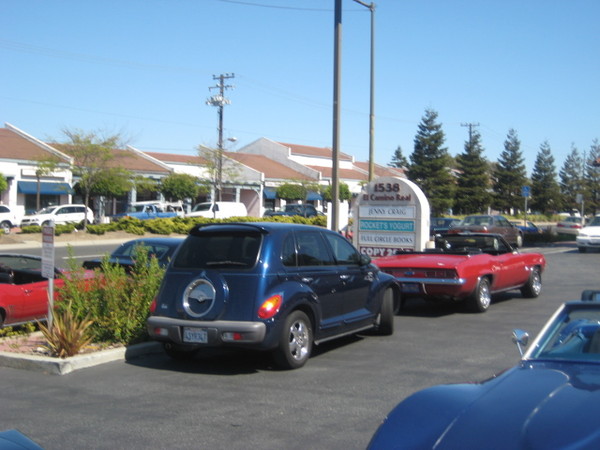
{"points": [[534, 406]]}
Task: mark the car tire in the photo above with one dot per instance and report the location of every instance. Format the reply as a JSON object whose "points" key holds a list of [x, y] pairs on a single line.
{"points": [[178, 353], [295, 342], [385, 320], [533, 287], [519, 240], [5, 226], [482, 297]]}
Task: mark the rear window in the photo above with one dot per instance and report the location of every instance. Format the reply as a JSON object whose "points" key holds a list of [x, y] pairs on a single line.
{"points": [[218, 250]]}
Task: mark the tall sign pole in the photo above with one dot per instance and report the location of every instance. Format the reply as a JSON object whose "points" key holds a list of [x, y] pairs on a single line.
{"points": [[337, 82], [48, 267]]}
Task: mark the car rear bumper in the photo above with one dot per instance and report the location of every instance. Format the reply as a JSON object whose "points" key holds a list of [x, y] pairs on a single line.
{"points": [[438, 287], [197, 333]]}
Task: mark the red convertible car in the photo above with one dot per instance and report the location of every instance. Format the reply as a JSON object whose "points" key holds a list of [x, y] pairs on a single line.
{"points": [[466, 266], [23, 290]]}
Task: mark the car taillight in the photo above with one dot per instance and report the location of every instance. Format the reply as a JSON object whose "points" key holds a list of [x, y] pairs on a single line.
{"points": [[437, 273], [153, 306], [270, 307], [423, 273]]}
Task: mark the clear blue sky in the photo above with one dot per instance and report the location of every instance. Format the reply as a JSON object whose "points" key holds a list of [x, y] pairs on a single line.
{"points": [[144, 67]]}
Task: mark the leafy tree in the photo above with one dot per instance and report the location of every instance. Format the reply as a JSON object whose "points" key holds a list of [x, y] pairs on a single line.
{"points": [[430, 164], [44, 167], [473, 184], [292, 191], [571, 178], [592, 177], [3, 183], [510, 175], [145, 185], [112, 182], [398, 159], [219, 168], [179, 186], [545, 192], [344, 192], [92, 154]]}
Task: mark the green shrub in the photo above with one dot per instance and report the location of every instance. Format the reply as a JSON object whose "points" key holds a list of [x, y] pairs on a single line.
{"points": [[66, 228], [117, 303], [31, 229]]}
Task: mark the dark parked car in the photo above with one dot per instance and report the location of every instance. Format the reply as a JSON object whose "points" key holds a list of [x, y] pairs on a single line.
{"points": [[162, 249], [482, 223], [527, 227], [269, 286], [296, 209], [440, 225], [548, 400]]}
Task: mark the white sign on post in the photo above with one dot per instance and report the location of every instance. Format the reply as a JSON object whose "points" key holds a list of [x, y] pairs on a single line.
{"points": [[48, 266], [391, 214]]}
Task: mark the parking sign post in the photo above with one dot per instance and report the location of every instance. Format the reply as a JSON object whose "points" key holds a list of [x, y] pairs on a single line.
{"points": [[48, 267]]}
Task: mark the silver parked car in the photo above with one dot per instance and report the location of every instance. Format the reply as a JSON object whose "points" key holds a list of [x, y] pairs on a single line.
{"points": [[589, 236]]}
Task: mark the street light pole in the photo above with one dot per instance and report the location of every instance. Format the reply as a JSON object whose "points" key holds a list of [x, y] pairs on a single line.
{"points": [[371, 7]]}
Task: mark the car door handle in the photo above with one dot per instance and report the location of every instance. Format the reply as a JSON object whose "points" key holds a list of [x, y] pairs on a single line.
{"points": [[344, 277], [306, 280]]}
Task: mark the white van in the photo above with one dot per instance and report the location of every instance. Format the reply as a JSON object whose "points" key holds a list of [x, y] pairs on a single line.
{"points": [[218, 210]]}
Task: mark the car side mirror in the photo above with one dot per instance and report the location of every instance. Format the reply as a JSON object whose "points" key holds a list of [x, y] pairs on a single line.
{"points": [[521, 339], [365, 260]]}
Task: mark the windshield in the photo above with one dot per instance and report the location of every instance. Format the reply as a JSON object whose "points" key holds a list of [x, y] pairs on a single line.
{"points": [[574, 334], [476, 220], [217, 250], [595, 222], [202, 207], [48, 210]]}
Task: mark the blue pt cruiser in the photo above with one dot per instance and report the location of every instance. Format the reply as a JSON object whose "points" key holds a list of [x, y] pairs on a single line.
{"points": [[269, 286]]}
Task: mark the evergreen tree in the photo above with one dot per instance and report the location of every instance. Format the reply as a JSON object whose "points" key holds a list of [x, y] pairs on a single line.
{"points": [[592, 178], [510, 175], [430, 165], [473, 190], [398, 160], [571, 179], [545, 192]]}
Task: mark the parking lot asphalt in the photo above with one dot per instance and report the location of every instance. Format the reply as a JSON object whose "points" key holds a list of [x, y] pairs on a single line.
{"points": [[235, 400]]}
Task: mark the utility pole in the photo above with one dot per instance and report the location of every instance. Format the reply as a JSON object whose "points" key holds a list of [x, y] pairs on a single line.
{"points": [[220, 101], [470, 125]]}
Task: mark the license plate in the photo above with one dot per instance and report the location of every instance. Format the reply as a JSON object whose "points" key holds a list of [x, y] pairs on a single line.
{"points": [[195, 335], [411, 288]]}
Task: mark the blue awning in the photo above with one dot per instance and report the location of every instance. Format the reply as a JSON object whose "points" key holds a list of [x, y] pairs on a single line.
{"points": [[312, 196], [270, 194], [46, 188]]}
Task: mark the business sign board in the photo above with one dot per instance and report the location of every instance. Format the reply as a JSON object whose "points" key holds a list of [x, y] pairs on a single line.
{"points": [[390, 214]]}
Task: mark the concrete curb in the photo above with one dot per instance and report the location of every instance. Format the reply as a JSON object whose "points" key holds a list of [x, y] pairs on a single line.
{"points": [[58, 366]]}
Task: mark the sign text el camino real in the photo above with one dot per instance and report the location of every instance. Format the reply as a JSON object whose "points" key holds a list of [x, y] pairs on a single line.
{"points": [[390, 214]]}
